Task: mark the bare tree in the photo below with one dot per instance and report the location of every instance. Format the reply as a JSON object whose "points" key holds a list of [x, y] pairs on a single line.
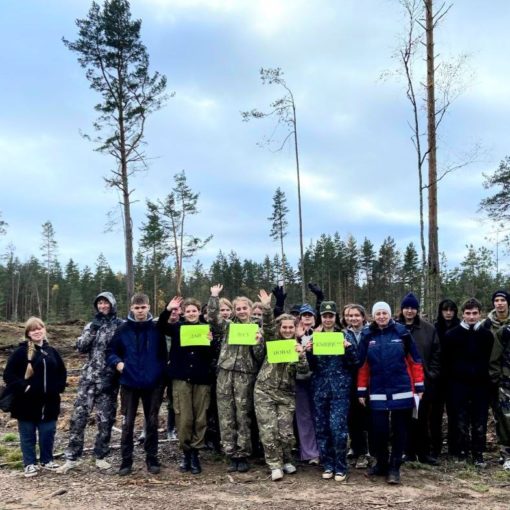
{"points": [[284, 110]]}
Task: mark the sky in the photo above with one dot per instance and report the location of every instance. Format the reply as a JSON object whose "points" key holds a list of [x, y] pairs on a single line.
{"points": [[358, 167]]}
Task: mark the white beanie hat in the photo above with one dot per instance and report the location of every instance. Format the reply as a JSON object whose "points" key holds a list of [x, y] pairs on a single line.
{"points": [[381, 305]]}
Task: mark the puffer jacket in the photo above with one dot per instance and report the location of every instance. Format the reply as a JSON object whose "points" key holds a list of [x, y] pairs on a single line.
{"points": [[36, 399], [238, 358], [142, 348], [391, 370], [277, 377], [94, 340]]}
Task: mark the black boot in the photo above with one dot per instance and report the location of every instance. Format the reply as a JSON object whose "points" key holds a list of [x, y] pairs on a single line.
{"points": [[185, 464], [196, 468], [394, 472], [153, 465], [242, 465], [126, 467], [232, 467]]}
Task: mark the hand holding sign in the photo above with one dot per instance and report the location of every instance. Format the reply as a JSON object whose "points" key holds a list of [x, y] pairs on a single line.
{"points": [[328, 344]]}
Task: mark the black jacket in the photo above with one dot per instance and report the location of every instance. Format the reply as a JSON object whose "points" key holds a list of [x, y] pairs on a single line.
{"points": [[38, 398]]}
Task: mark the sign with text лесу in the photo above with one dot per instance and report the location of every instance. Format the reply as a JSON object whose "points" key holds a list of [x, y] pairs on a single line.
{"points": [[242, 334]]}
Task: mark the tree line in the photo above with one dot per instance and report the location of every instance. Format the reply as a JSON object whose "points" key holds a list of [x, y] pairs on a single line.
{"points": [[348, 270]]}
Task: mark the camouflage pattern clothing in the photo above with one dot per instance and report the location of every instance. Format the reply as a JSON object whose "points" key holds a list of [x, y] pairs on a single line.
{"points": [[275, 402], [237, 368], [499, 371], [98, 387], [331, 388]]}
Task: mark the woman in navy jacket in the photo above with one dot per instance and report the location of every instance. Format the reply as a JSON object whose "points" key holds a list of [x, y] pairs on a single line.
{"points": [[390, 374]]}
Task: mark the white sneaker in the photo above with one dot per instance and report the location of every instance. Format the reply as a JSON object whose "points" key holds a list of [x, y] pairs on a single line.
{"points": [[30, 471], [172, 435], [314, 462], [67, 466], [340, 477], [103, 464], [276, 474], [327, 475], [506, 465], [289, 468], [50, 466]]}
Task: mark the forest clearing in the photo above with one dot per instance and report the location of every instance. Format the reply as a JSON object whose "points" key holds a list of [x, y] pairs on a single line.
{"points": [[450, 485]]}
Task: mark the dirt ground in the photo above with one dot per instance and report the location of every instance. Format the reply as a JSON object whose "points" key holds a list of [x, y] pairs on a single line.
{"points": [[449, 486]]}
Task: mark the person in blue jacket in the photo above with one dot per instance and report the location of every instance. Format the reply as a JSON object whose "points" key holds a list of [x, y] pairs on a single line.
{"points": [[390, 375], [138, 351]]}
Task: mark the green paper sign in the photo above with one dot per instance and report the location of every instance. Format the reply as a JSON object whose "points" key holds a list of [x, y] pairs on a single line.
{"points": [[282, 351], [243, 334], [195, 335], [328, 344]]}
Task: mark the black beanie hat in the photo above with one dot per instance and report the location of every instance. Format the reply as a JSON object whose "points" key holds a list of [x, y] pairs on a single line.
{"points": [[410, 301], [501, 293]]}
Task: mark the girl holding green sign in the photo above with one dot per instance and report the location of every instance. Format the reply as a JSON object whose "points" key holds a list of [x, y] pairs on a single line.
{"points": [[332, 376], [275, 395]]}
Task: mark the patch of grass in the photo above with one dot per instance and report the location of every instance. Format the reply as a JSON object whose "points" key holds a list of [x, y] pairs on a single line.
{"points": [[3, 450], [501, 475], [14, 456], [468, 473], [10, 437], [479, 487]]}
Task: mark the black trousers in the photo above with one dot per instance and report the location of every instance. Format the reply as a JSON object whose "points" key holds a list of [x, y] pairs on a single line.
{"points": [[382, 423], [151, 401]]}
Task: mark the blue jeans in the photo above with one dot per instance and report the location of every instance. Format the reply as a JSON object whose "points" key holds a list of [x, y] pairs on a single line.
{"points": [[27, 436]]}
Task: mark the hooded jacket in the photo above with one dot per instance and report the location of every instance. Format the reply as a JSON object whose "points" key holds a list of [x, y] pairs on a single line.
{"points": [[36, 399], [94, 340], [142, 349]]}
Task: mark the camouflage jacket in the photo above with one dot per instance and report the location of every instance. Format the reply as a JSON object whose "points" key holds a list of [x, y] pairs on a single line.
{"points": [[277, 376], [94, 340], [499, 365], [238, 358]]}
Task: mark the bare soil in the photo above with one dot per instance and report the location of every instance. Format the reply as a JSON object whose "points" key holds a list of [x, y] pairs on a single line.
{"points": [[449, 486]]}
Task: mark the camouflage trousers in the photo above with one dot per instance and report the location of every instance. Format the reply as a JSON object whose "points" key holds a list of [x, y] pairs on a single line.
{"points": [[191, 402], [105, 405], [275, 415], [502, 415], [234, 392]]}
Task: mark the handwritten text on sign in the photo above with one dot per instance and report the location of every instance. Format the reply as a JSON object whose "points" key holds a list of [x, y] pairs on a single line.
{"points": [[328, 343], [243, 334], [281, 351], [195, 335]]}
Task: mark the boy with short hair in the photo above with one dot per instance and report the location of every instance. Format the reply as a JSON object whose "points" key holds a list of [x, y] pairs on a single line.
{"points": [[138, 351]]}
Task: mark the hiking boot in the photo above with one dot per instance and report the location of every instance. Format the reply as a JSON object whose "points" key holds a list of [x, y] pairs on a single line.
{"points": [[242, 465], [153, 465], [276, 474], [196, 468], [377, 470], [126, 467], [67, 466], [30, 471], [289, 468], [361, 462], [103, 464], [232, 467], [393, 477], [185, 464]]}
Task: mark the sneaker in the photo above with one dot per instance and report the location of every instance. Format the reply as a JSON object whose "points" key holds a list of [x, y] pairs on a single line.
{"points": [[350, 453], [327, 475], [289, 468], [103, 464], [172, 436], [67, 466], [276, 474], [314, 461], [479, 462], [361, 462], [393, 477], [50, 466], [340, 477], [506, 465], [30, 471]]}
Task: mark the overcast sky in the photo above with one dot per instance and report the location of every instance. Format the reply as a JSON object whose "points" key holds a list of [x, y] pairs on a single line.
{"points": [[357, 160]]}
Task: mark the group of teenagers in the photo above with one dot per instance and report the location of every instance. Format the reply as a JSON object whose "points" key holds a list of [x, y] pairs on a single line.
{"points": [[377, 404]]}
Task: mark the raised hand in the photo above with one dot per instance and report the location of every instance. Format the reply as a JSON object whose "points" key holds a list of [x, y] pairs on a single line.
{"points": [[174, 303], [216, 289], [264, 298]]}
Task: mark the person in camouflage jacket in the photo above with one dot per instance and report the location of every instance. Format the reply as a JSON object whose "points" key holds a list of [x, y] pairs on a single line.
{"points": [[98, 387], [275, 394], [237, 369]]}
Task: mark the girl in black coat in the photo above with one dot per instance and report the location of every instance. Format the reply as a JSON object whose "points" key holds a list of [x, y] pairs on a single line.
{"points": [[36, 375]]}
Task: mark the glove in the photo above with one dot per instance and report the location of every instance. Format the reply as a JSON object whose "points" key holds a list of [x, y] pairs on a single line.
{"points": [[315, 289], [280, 296], [97, 322]]}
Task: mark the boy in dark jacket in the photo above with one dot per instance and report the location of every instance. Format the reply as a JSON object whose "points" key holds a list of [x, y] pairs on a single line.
{"points": [[466, 354], [138, 351]]}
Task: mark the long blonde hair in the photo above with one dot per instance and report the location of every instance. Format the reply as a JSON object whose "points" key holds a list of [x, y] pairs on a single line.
{"points": [[31, 324]]}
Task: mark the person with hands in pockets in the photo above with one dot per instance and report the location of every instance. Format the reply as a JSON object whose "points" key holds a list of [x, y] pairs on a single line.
{"points": [[275, 395]]}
